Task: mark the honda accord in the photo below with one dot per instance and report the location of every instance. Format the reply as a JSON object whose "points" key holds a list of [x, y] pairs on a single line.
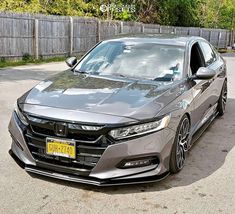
{"points": [[126, 112]]}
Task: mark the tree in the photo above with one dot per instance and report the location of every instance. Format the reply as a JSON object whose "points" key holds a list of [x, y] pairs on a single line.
{"points": [[204, 13], [216, 14]]}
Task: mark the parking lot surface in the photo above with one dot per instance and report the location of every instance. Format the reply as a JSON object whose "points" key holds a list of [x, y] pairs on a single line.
{"points": [[205, 185]]}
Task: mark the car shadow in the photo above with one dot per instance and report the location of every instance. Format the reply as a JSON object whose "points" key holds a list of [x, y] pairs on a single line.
{"points": [[207, 155]]}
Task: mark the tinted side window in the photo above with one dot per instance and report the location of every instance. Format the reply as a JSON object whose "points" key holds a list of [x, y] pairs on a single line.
{"points": [[208, 53]]}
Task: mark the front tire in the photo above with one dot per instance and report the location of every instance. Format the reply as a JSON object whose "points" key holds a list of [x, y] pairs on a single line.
{"points": [[177, 159], [222, 99]]}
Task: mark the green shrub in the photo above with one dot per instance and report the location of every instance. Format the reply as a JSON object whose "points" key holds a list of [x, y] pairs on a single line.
{"points": [[27, 57], [2, 60]]}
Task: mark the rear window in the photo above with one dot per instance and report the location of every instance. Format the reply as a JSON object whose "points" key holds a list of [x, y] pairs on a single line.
{"points": [[208, 53]]}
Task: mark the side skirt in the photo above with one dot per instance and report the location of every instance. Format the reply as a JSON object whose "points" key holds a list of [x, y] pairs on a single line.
{"points": [[202, 129]]}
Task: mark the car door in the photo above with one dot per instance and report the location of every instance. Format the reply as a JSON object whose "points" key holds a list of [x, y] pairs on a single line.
{"points": [[202, 90], [213, 61]]}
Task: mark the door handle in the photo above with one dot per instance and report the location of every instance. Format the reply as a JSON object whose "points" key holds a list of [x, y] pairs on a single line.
{"points": [[202, 87], [211, 80], [207, 83]]}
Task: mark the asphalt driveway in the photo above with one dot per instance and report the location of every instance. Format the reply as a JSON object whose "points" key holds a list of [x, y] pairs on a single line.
{"points": [[205, 185]]}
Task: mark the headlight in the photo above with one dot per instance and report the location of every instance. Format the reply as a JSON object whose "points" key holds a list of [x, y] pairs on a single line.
{"points": [[20, 115], [144, 128]]}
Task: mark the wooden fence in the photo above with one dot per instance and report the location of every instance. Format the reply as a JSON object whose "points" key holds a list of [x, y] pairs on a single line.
{"points": [[48, 36]]}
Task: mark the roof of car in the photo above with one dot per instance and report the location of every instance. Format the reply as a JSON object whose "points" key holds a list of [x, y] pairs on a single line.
{"points": [[168, 39]]}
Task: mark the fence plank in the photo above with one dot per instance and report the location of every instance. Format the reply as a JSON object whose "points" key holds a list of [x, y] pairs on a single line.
{"points": [[36, 38], [71, 36]]}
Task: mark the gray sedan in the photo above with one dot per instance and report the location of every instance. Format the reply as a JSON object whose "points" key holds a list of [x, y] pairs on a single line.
{"points": [[126, 112]]}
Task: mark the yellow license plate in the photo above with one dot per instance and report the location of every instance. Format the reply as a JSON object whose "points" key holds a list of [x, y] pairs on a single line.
{"points": [[63, 148]]}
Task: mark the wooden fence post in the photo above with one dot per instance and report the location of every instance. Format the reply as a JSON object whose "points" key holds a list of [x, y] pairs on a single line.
{"points": [[219, 36], [121, 27], [188, 31], [142, 28], [70, 36], [98, 31], [36, 38], [210, 36], [226, 39], [233, 37], [200, 32], [230, 37]]}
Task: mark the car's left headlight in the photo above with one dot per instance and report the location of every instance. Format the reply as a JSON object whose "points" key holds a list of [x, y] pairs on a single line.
{"points": [[135, 130]]}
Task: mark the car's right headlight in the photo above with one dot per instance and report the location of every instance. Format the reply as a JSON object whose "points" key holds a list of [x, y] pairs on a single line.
{"points": [[20, 115], [140, 129]]}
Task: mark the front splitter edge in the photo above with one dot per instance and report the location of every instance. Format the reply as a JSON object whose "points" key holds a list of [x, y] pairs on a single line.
{"points": [[87, 180]]}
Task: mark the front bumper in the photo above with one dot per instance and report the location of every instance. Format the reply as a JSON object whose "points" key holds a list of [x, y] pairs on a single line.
{"points": [[105, 172]]}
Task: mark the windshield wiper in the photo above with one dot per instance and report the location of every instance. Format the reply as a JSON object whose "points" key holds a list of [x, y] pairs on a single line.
{"points": [[165, 78], [119, 75], [81, 72]]}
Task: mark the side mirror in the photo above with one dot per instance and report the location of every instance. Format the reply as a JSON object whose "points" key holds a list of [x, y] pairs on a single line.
{"points": [[205, 73], [71, 61]]}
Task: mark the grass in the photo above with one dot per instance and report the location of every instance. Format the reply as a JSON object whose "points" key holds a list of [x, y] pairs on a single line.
{"points": [[226, 51], [28, 60]]}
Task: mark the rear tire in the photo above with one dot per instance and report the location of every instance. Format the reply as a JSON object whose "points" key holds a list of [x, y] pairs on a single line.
{"points": [[222, 99], [177, 158]]}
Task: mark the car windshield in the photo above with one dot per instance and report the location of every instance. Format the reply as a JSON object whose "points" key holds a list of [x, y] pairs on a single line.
{"points": [[134, 59]]}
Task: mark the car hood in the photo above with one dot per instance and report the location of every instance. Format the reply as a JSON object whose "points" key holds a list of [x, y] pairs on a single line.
{"points": [[138, 99]]}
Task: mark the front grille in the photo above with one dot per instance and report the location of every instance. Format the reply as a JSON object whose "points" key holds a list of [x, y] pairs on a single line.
{"points": [[90, 145]]}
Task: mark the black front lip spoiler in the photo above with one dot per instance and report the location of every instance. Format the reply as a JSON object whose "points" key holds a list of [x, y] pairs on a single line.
{"points": [[84, 179]]}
